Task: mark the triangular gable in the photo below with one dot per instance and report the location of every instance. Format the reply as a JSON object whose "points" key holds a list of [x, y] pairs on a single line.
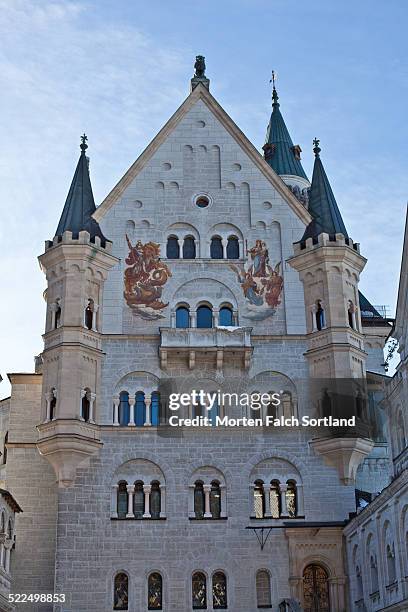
{"points": [[200, 92]]}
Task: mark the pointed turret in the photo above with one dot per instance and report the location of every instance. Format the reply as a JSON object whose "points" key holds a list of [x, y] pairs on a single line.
{"points": [[279, 151], [80, 204], [322, 203]]}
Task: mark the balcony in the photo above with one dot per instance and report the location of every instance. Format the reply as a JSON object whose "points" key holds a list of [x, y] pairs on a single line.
{"points": [[217, 340]]}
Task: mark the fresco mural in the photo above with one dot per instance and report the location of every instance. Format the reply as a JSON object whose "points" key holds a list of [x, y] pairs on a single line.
{"points": [[144, 279], [261, 283]]}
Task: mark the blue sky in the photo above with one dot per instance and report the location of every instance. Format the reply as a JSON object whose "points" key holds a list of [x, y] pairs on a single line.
{"points": [[119, 69]]}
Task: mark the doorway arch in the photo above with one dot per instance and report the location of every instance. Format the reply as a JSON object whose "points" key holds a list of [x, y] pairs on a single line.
{"points": [[316, 589]]}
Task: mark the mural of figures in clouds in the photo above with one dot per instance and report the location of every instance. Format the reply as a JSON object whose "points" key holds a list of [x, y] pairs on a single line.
{"points": [[144, 279], [261, 283]]}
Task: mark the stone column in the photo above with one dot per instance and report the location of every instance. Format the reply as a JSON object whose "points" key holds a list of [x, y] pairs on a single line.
{"points": [[223, 501], [91, 407], [252, 513], [267, 495], [224, 247], [300, 504], [197, 248], [282, 490], [114, 501], [47, 409], [207, 511], [235, 317], [147, 490], [191, 489], [162, 500], [2, 555], [8, 553], [193, 318], [82, 395], [314, 322], [241, 248], [130, 492], [148, 419], [180, 243], [216, 317], [131, 412], [116, 402], [94, 312], [173, 319]]}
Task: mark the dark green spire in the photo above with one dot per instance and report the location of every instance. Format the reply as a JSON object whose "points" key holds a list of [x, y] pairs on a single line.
{"points": [[279, 151], [322, 203], [80, 203]]}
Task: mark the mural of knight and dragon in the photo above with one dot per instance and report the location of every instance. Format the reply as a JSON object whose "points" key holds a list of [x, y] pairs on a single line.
{"points": [[261, 283], [145, 276]]}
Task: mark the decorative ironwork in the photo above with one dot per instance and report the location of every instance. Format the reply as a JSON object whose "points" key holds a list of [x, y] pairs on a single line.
{"points": [[262, 534], [219, 589], [155, 592], [199, 591], [316, 589], [121, 590], [274, 497]]}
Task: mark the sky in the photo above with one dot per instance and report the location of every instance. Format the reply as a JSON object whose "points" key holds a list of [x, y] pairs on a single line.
{"points": [[118, 69]]}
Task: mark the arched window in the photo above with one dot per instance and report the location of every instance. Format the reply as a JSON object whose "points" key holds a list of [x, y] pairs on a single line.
{"points": [[391, 568], [401, 439], [213, 413], [374, 574], [204, 317], [291, 498], [85, 406], [124, 414], [172, 249], [122, 499], [216, 248], [259, 499], [182, 317], [155, 408], [155, 592], [189, 248], [351, 312], [155, 500], [53, 404], [320, 318], [89, 314], [271, 409], [275, 499], [359, 583], [263, 589], [215, 499], [199, 500], [121, 592], [138, 500], [316, 589], [226, 317], [5, 448], [57, 314], [219, 591], [140, 409], [199, 591], [232, 248]]}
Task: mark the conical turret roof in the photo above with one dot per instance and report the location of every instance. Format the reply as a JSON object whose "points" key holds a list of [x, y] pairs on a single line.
{"points": [[80, 204], [280, 153], [322, 203]]}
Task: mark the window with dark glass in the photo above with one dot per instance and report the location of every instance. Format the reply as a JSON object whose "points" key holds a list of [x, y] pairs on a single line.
{"points": [[5, 448], [138, 500], [57, 319], [121, 592], [350, 313], [202, 202], [155, 592], [374, 574], [263, 589], [232, 248], [155, 500], [216, 249], [199, 500], [173, 248], [53, 404], [275, 500], [189, 248], [215, 499], [319, 316], [219, 591], [140, 409], [124, 408], [89, 314], [182, 317], [204, 317], [213, 413], [291, 498], [85, 407], [259, 499], [199, 591], [391, 567], [122, 500], [226, 316], [155, 408]]}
